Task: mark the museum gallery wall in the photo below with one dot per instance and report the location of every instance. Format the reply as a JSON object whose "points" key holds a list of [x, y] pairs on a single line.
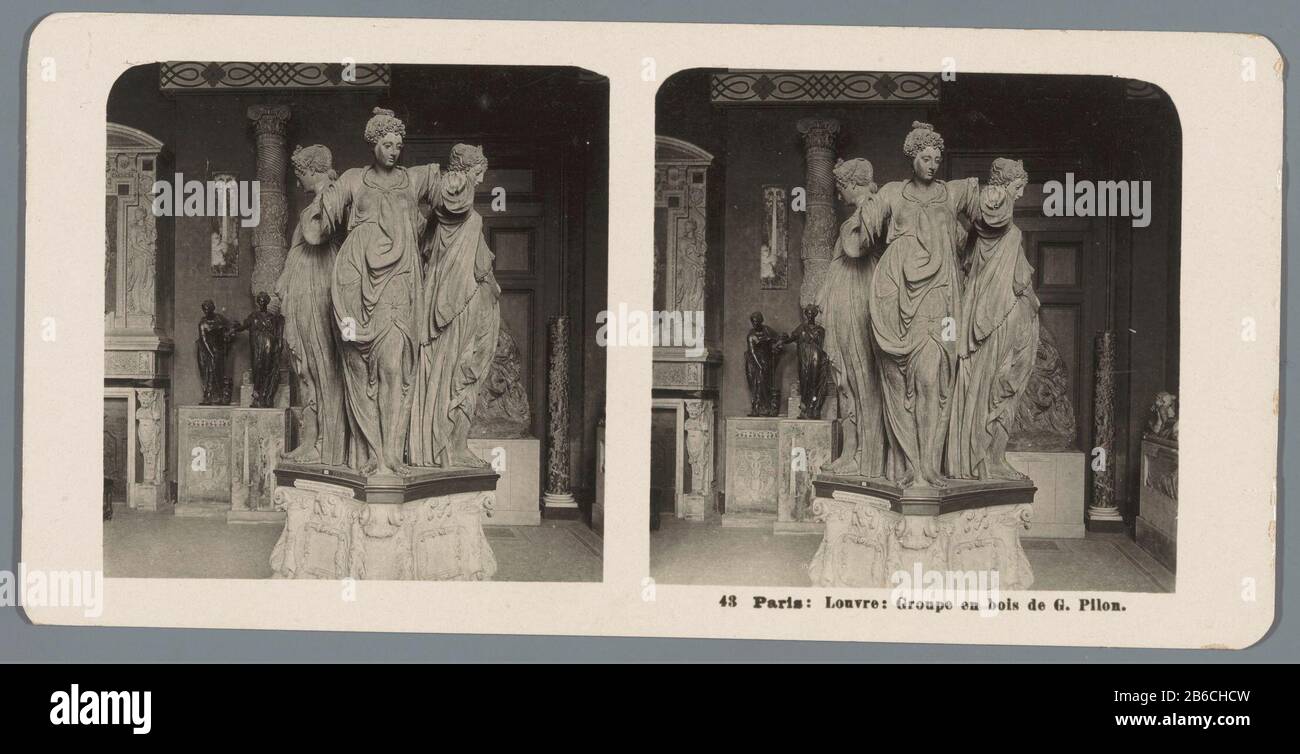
{"points": [[1099, 280], [545, 134]]}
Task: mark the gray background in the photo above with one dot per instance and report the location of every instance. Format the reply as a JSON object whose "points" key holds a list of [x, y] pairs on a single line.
{"points": [[20, 641]]}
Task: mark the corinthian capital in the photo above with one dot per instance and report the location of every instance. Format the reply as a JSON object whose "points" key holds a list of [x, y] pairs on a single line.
{"points": [[270, 119], [818, 132]]}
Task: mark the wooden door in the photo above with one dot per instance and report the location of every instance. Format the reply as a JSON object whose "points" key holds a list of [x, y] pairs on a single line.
{"points": [[519, 200], [1070, 257]]}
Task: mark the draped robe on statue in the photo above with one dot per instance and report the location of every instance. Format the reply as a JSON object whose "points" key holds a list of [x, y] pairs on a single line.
{"points": [[309, 331], [847, 317], [913, 291], [457, 329], [998, 340], [376, 292]]}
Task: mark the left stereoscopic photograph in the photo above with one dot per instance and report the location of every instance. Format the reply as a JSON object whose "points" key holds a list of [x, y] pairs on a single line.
{"points": [[349, 321]]}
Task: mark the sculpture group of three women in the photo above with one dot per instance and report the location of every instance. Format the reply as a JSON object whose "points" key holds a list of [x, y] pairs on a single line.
{"points": [[932, 340], [393, 330]]}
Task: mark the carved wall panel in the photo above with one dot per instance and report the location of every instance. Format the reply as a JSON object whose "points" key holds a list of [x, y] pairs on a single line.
{"points": [[224, 237], [773, 256], [131, 231], [257, 440], [752, 473], [681, 204], [204, 454], [502, 410], [1157, 520], [804, 446], [1045, 415]]}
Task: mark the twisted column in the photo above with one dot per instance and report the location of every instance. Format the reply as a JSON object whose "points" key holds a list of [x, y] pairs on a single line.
{"points": [[1104, 512], [557, 493], [270, 239], [819, 226]]}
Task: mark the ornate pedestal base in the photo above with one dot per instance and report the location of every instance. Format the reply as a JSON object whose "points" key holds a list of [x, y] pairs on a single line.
{"points": [[752, 471], [257, 438], [204, 454], [149, 497], [875, 529], [803, 447], [1062, 481], [1105, 519], [518, 460], [344, 525], [1157, 520]]}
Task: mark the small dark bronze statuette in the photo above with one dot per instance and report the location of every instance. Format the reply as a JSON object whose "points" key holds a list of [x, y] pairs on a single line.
{"points": [[760, 367], [809, 338], [265, 343], [213, 348]]}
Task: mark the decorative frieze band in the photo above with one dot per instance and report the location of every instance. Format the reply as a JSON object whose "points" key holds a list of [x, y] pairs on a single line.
{"points": [[198, 75], [799, 87]]}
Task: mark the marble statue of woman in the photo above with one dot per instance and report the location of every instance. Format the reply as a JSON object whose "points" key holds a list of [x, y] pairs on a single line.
{"points": [[458, 326], [309, 331], [998, 338], [375, 289], [913, 306], [847, 318]]}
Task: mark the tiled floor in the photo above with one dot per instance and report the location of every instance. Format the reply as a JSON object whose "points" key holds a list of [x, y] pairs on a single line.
{"points": [[707, 553], [165, 546]]}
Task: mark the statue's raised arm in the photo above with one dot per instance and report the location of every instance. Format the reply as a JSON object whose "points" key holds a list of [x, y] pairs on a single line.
{"points": [[458, 326], [328, 211]]}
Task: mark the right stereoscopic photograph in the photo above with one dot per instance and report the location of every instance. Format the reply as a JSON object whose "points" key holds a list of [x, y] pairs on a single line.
{"points": [[912, 322]]}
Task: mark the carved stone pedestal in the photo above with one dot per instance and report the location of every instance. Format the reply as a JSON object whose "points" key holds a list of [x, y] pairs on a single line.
{"points": [[204, 454], [1061, 500], [1157, 519], [519, 461], [874, 529], [803, 447], [771, 464], [257, 438], [341, 524], [753, 476]]}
